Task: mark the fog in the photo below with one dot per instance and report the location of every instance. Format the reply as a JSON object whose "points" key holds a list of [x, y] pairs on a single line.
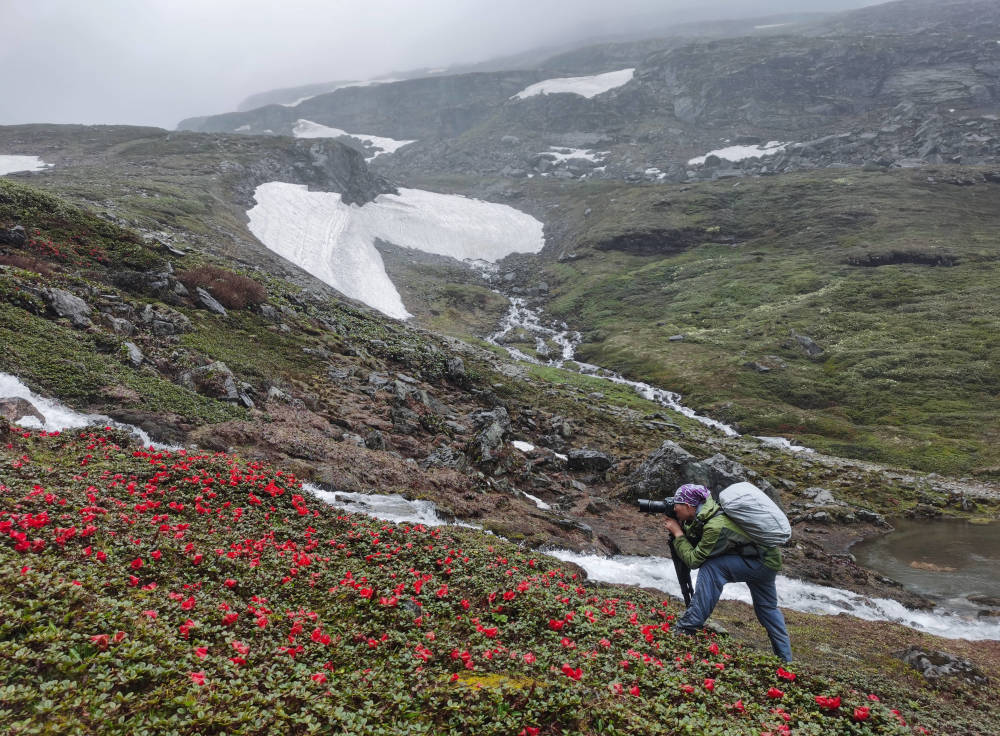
{"points": [[154, 62]]}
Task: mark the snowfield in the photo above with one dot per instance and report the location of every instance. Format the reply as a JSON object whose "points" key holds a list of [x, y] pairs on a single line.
{"points": [[739, 153], [309, 129], [584, 86], [336, 242], [11, 164]]}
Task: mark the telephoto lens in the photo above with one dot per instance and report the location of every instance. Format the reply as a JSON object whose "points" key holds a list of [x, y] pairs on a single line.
{"points": [[649, 506]]}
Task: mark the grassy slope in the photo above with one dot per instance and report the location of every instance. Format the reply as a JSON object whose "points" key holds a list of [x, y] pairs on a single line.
{"points": [[203, 594], [909, 372]]}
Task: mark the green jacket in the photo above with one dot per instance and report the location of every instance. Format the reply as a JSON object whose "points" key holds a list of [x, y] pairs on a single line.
{"points": [[711, 533]]}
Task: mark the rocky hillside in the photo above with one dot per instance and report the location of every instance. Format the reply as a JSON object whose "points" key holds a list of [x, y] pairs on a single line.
{"points": [[903, 84]]}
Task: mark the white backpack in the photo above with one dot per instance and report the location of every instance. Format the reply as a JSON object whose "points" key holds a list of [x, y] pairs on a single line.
{"points": [[756, 514]]}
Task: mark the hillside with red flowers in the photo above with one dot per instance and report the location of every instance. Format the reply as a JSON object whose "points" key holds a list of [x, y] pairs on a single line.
{"points": [[191, 592]]}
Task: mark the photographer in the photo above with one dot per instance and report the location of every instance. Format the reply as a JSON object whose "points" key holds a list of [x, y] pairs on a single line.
{"points": [[710, 541]]}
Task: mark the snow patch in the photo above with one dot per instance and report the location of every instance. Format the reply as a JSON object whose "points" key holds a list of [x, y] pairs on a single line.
{"points": [[336, 242], [538, 502], [784, 444], [741, 153], [560, 154], [11, 164], [242, 129], [584, 86], [368, 83], [309, 129], [771, 25], [523, 446]]}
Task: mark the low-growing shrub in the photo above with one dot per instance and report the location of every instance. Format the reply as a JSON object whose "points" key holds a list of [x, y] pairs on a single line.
{"points": [[26, 262], [232, 290]]}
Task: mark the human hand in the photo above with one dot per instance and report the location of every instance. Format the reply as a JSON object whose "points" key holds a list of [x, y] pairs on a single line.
{"points": [[674, 528]]}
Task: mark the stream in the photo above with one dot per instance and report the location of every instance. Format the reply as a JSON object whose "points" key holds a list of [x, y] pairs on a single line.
{"points": [[653, 572]]}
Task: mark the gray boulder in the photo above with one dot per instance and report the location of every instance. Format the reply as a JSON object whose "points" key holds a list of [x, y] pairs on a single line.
{"points": [[15, 236], [661, 473], [214, 380], [456, 368], [65, 304], [445, 457], [208, 302], [935, 665], [585, 459], [486, 445], [15, 409], [135, 356], [718, 471], [808, 344]]}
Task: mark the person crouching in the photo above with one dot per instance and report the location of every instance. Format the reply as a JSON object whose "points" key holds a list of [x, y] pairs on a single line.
{"points": [[709, 541]]}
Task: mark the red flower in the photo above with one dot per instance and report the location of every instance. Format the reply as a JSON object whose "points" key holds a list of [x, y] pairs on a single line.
{"points": [[529, 658], [713, 648], [634, 690], [573, 674], [150, 614], [100, 641], [229, 583], [137, 563], [188, 603], [556, 624], [775, 693], [739, 707], [709, 684], [786, 675], [861, 713], [319, 677], [828, 703], [156, 554], [202, 652], [687, 688], [528, 731], [229, 619], [198, 678]]}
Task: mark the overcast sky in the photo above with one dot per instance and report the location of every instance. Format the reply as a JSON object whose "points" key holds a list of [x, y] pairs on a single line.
{"points": [[154, 62]]}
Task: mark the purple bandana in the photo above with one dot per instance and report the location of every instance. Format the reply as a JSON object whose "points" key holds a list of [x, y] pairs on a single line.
{"points": [[691, 494]]}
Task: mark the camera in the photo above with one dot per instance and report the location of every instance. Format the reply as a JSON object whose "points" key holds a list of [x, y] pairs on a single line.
{"points": [[649, 506]]}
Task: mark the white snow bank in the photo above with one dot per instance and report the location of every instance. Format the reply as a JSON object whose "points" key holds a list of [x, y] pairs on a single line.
{"points": [[11, 164], [584, 86], [336, 242], [560, 154], [783, 443], [523, 446], [309, 129], [57, 417], [797, 595], [740, 153], [771, 25]]}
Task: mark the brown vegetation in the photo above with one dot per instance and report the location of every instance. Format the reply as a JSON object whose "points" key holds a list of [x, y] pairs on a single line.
{"points": [[232, 290]]}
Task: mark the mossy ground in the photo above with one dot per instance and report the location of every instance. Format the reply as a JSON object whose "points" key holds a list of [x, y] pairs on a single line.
{"points": [[908, 372]]}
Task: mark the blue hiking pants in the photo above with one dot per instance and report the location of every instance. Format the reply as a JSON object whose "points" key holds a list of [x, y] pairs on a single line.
{"points": [[715, 573]]}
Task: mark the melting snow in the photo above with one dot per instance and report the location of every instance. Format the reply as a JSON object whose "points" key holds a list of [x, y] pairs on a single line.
{"points": [[584, 86], [11, 164], [309, 129], [336, 242], [740, 153], [784, 444], [771, 25]]}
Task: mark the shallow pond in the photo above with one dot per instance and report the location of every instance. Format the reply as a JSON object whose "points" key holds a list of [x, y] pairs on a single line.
{"points": [[946, 559]]}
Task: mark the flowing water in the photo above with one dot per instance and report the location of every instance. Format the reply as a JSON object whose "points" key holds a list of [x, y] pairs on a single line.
{"points": [[954, 561]]}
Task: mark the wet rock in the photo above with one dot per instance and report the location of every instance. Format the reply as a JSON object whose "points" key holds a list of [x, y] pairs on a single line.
{"points": [[935, 665], [482, 418], [488, 442], [65, 304], [15, 409], [120, 326], [576, 525], [587, 460]]}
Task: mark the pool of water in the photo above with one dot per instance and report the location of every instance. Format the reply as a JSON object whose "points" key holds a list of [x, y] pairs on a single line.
{"points": [[946, 559]]}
